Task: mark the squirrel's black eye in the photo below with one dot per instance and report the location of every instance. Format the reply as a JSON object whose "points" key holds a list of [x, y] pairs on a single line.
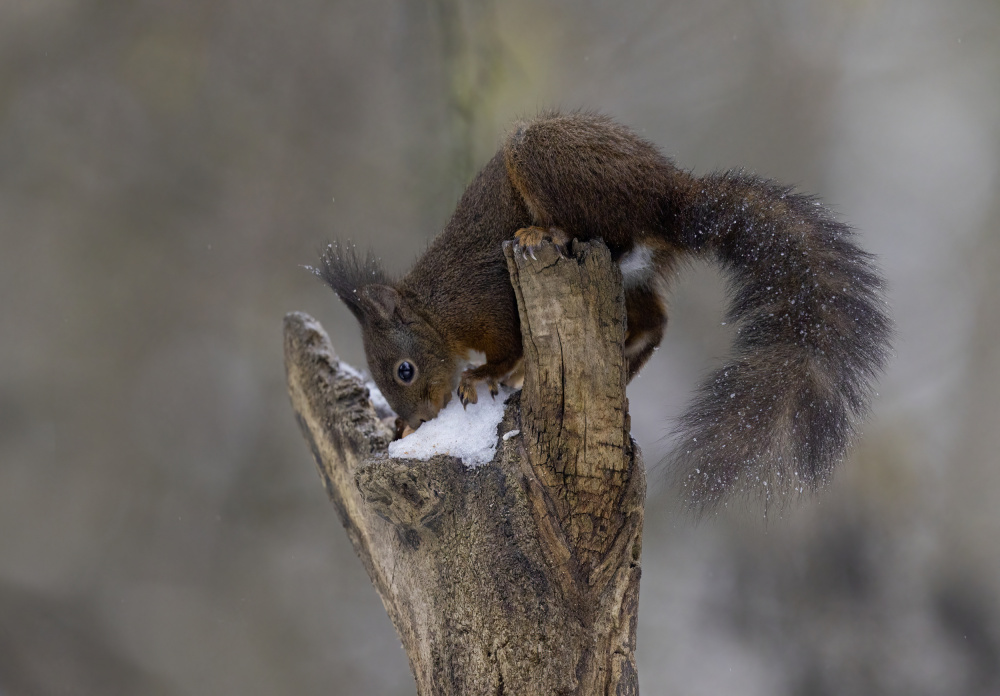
{"points": [[406, 372]]}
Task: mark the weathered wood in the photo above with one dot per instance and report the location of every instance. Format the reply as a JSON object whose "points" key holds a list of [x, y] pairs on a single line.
{"points": [[522, 576]]}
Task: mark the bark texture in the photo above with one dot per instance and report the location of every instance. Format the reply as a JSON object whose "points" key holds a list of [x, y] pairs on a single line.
{"points": [[522, 576]]}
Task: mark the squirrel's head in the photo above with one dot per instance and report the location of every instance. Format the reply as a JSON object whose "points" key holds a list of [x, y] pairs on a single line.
{"points": [[409, 360]]}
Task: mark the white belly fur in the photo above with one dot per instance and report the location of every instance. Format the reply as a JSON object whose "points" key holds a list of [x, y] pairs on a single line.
{"points": [[637, 266]]}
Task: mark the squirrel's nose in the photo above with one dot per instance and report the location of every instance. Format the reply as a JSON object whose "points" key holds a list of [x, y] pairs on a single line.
{"points": [[423, 414]]}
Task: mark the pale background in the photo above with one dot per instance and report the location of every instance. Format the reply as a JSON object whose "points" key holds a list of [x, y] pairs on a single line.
{"points": [[166, 167]]}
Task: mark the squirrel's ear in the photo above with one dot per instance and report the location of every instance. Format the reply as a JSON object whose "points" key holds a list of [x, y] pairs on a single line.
{"points": [[380, 302]]}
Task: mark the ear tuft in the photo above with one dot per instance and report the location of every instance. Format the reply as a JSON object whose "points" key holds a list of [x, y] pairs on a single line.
{"points": [[349, 275]]}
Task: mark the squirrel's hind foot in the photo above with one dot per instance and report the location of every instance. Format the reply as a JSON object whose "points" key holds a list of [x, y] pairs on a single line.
{"points": [[530, 238]]}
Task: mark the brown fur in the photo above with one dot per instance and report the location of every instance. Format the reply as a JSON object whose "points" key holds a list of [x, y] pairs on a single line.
{"points": [[813, 327]]}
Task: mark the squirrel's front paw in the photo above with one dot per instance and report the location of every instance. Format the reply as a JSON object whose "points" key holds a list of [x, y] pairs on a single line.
{"points": [[467, 389], [530, 238]]}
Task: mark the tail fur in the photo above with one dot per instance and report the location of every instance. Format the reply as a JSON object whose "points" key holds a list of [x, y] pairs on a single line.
{"points": [[813, 333]]}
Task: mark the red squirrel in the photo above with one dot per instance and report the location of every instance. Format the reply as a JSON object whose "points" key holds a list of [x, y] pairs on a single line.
{"points": [[812, 323]]}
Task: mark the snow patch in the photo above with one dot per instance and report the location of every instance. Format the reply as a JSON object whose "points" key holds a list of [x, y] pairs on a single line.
{"points": [[467, 433]]}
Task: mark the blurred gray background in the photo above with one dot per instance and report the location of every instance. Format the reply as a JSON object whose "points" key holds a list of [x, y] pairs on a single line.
{"points": [[166, 167]]}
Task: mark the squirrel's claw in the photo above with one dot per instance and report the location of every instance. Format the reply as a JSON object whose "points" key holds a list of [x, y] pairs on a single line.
{"points": [[530, 238], [470, 380], [467, 391]]}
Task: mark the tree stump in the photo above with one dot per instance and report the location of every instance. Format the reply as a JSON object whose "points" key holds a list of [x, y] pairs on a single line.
{"points": [[521, 576]]}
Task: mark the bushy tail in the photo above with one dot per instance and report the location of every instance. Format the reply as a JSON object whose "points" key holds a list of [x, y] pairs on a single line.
{"points": [[812, 335]]}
